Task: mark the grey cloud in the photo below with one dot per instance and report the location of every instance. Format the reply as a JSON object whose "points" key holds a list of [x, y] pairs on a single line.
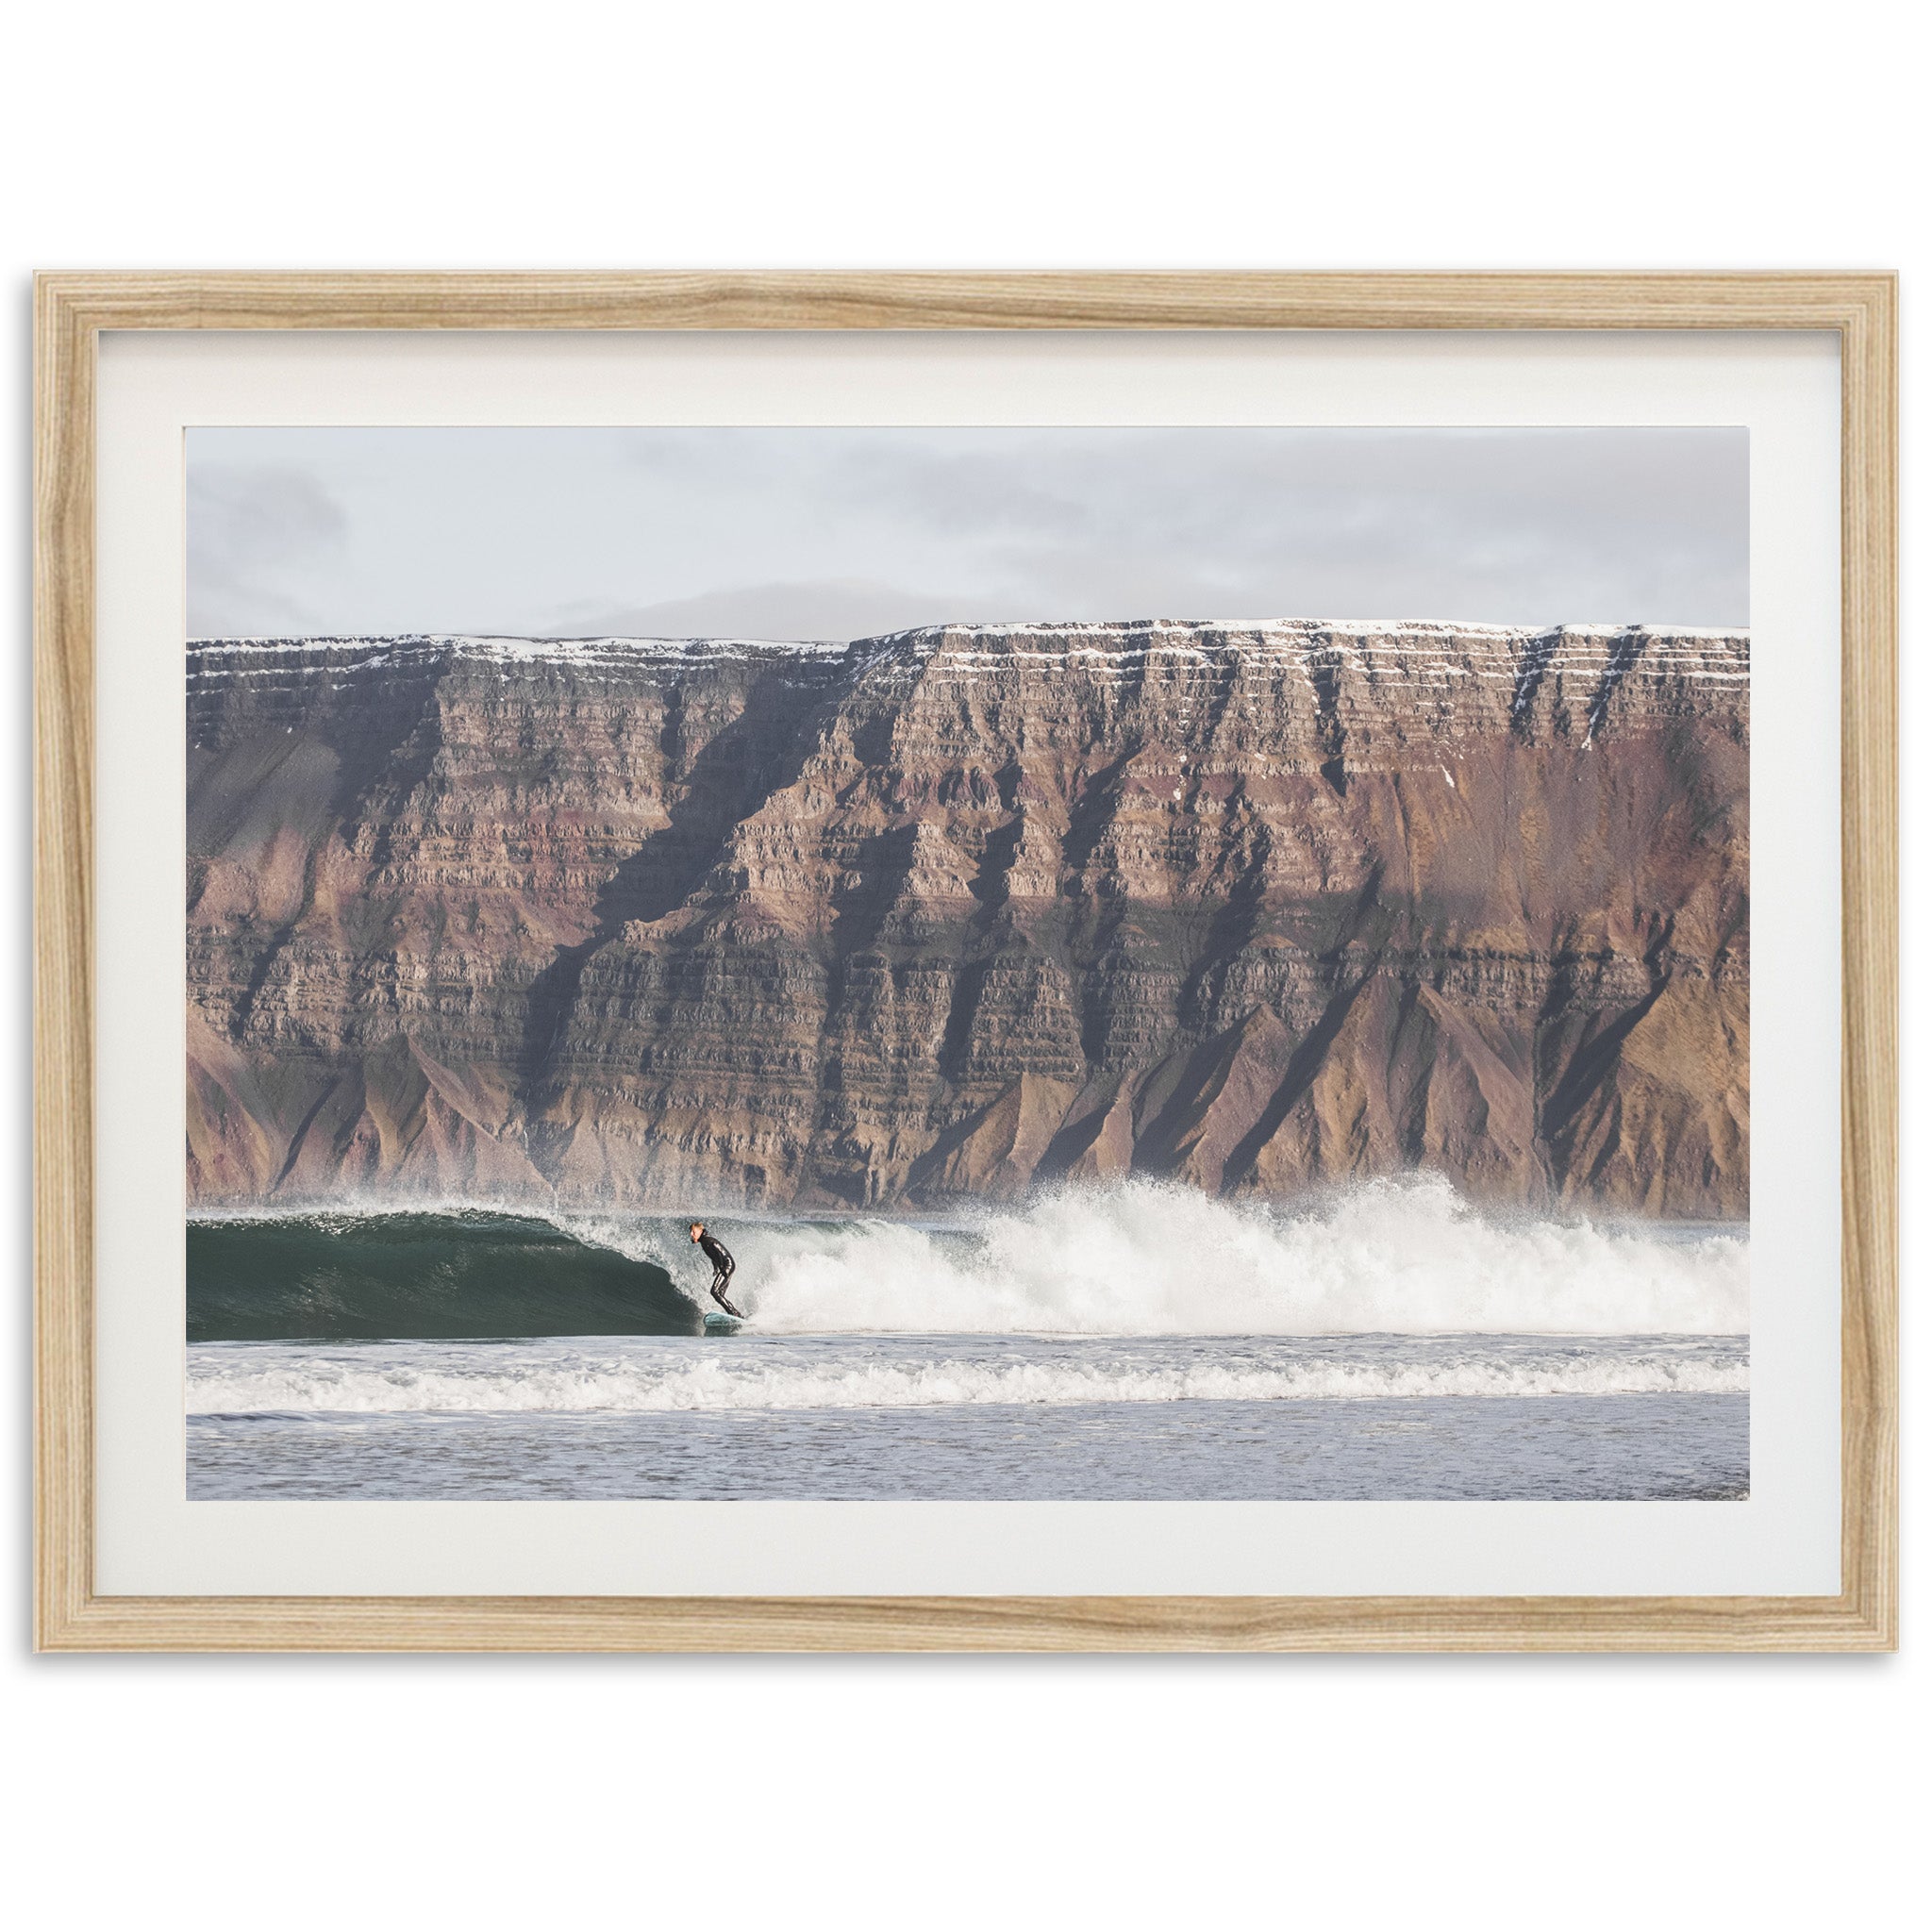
{"points": [[255, 538], [839, 532], [816, 611], [989, 492]]}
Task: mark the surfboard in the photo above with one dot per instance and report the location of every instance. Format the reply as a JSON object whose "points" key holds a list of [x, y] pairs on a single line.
{"points": [[718, 1323]]}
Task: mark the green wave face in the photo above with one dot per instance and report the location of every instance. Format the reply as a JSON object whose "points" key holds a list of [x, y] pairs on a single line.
{"points": [[339, 1277]]}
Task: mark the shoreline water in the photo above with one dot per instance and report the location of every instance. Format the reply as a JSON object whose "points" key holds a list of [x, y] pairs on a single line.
{"points": [[1136, 1258], [987, 1418], [1137, 1342]]}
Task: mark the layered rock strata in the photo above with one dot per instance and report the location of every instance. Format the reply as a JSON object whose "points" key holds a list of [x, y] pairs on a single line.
{"points": [[952, 912]]}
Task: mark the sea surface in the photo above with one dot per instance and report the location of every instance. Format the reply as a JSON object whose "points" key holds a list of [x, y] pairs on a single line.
{"points": [[1137, 1344]]}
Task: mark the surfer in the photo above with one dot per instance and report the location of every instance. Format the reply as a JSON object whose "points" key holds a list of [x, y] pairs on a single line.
{"points": [[723, 1266]]}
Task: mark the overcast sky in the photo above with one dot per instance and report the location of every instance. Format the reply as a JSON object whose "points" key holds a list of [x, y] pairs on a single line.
{"points": [[839, 533]]}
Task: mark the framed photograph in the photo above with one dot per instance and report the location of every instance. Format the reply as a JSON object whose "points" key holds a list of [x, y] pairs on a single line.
{"points": [[747, 962]]}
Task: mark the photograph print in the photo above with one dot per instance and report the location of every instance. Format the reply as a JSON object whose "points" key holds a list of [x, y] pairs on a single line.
{"points": [[825, 963]]}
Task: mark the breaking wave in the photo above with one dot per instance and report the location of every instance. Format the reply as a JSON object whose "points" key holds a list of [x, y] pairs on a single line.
{"points": [[1408, 1256], [1143, 1258], [256, 1380], [380, 1276]]}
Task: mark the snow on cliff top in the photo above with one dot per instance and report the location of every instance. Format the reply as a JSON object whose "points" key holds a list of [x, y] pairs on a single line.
{"points": [[527, 649], [932, 636]]}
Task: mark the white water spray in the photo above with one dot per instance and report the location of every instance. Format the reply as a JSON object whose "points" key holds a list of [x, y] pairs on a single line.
{"points": [[1408, 1257]]}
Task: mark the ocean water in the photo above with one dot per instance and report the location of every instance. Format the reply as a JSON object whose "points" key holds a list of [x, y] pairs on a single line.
{"points": [[1140, 1343]]}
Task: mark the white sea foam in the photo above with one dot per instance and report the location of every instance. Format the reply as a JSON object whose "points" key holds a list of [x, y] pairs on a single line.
{"points": [[654, 1376], [1408, 1257]]}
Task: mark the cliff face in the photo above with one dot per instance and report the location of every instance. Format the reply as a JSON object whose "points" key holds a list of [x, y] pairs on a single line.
{"points": [[950, 912]]}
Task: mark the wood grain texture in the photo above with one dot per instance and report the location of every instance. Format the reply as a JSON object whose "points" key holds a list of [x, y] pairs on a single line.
{"points": [[72, 309], [64, 962], [1869, 844], [836, 301], [969, 1623]]}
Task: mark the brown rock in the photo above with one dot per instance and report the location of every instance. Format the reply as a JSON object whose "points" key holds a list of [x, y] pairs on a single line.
{"points": [[993, 1153], [1251, 906]]}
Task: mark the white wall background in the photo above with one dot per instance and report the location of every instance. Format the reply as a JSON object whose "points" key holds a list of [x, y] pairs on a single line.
{"points": [[915, 1793]]}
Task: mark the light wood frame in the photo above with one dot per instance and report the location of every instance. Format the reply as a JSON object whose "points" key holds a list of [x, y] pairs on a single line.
{"points": [[71, 312]]}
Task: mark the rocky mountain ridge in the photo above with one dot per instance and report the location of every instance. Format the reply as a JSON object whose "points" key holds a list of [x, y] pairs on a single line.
{"points": [[1253, 905]]}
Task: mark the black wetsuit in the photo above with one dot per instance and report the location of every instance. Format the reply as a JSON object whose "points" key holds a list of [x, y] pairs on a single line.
{"points": [[724, 1266]]}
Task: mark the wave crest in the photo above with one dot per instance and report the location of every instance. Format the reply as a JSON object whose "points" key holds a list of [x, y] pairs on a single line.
{"points": [[1139, 1258], [642, 1378], [1409, 1257]]}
